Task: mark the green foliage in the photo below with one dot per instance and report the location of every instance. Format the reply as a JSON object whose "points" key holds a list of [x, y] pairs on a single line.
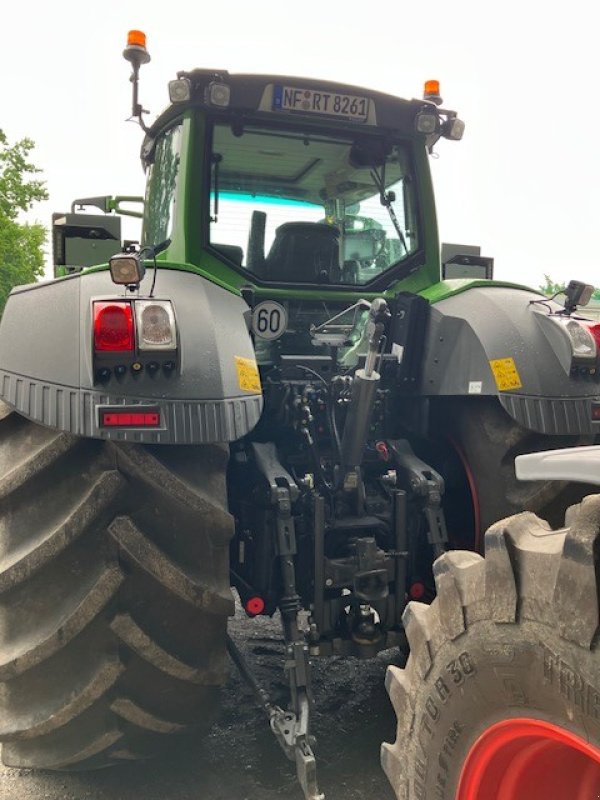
{"points": [[21, 253], [550, 287]]}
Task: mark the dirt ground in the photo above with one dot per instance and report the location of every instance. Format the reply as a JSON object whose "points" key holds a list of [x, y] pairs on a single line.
{"points": [[241, 760]]}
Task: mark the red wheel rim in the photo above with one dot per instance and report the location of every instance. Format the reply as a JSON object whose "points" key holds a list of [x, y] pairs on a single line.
{"points": [[528, 759]]}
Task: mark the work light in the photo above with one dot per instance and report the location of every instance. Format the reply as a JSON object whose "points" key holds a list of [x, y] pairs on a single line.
{"points": [[180, 90], [126, 268]]}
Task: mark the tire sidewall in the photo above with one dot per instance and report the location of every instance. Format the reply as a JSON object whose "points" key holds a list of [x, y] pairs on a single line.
{"points": [[493, 673]]}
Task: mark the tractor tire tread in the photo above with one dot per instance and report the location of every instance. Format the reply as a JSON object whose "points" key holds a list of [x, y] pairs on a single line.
{"points": [[102, 578], [532, 578]]}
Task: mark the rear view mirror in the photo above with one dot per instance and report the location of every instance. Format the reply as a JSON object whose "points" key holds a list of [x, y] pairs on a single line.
{"points": [[83, 240], [367, 153]]}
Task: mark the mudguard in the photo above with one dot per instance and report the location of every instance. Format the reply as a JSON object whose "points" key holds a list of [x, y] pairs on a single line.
{"points": [[47, 370], [494, 340]]}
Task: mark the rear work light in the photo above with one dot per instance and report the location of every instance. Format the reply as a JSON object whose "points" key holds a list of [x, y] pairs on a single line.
{"points": [[113, 327], [126, 268], [155, 325], [180, 90], [218, 94]]}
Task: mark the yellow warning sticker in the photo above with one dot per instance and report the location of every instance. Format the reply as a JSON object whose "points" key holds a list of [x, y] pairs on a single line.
{"points": [[248, 376], [506, 374]]}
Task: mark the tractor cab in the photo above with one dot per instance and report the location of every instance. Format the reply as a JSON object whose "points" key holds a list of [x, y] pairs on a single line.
{"points": [[273, 181]]}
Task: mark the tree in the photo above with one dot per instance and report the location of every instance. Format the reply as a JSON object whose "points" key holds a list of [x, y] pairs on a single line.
{"points": [[551, 288], [21, 253]]}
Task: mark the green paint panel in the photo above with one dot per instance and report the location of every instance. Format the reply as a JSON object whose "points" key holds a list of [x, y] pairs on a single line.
{"points": [[443, 289]]}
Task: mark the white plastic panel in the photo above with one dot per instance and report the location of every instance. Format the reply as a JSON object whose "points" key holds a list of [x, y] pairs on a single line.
{"points": [[579, 464]]}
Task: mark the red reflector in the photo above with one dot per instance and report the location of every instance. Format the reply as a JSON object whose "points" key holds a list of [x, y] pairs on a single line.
{"points": [[416, 591], [595, 411], [127, 419], [113, 326], [255, 606], [382, 451]]}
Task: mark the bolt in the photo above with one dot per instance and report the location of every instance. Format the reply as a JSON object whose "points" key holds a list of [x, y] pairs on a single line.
{"points": [[329, 582]]}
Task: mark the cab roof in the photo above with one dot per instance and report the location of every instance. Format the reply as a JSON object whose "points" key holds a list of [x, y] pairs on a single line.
{"points": [[255, 96]]}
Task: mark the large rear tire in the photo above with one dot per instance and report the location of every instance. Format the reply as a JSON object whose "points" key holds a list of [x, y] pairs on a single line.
{"points": [[114, 594], [500, 699], [487, 440]]}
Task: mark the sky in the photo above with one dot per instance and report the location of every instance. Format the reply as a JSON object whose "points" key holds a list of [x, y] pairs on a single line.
{"points": [[522, 184]]}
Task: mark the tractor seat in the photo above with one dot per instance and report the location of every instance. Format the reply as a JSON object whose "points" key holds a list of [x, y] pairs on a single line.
{"points": [[304, 251]]}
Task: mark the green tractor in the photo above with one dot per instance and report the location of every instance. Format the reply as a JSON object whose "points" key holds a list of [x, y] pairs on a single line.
{"points": [[282, 390]]}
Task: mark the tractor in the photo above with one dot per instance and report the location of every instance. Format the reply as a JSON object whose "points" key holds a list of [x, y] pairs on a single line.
{"points": [[283, 389]]}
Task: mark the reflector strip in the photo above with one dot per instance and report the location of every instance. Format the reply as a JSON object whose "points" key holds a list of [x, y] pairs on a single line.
{"points": [[128, 419]]}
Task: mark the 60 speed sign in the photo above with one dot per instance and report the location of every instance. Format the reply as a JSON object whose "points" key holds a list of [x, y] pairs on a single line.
{"points": [[269, 320]]}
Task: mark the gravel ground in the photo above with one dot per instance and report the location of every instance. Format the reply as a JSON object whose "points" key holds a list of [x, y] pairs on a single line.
{"points": [[241, 760]]}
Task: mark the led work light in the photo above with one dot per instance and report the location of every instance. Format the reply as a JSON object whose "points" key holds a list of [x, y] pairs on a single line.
{"points": [[180, 90], [126, 268]]}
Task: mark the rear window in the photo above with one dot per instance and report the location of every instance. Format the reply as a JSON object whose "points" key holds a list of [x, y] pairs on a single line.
{"points": [[303, 207]]}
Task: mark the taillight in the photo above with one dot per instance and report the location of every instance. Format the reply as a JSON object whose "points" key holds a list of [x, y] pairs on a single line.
{"points": [[155, 325], [113, 326], [582, 341], [594, 329]]}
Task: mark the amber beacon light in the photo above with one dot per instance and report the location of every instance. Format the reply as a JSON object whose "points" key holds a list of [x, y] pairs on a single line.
{"points": [[137, 38], [136, 52], [431, 92]]}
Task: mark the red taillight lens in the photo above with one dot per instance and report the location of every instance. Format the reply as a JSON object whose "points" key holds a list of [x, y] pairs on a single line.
{"points": [[113, 327], [594, 329]]}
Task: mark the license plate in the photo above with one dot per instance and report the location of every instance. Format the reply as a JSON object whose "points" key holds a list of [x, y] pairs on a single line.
{"points": [[313, 101]]}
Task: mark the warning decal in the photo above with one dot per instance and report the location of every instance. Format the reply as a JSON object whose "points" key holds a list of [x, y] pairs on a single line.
{"points": [[248, 376], [506, 374]]}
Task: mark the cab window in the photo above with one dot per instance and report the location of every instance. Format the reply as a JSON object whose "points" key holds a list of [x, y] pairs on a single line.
{"points": [[292, 206], [159, 206]]}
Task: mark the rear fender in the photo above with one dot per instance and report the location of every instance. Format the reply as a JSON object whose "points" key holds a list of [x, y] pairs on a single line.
{"points": [[47, 367], [494, 341]]}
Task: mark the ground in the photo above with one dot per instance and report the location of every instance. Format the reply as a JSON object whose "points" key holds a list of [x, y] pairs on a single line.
{"points": [[241, 760]]}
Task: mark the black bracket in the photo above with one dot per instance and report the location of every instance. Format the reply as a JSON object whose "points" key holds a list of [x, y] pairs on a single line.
{"points": [[428, 485]]}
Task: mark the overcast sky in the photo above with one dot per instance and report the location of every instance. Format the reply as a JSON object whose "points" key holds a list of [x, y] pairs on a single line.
{"points": [[523, 75]]}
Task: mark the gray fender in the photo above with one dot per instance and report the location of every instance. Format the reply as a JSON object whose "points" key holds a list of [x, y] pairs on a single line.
{"points": [[470, 332], [47, 360]]}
